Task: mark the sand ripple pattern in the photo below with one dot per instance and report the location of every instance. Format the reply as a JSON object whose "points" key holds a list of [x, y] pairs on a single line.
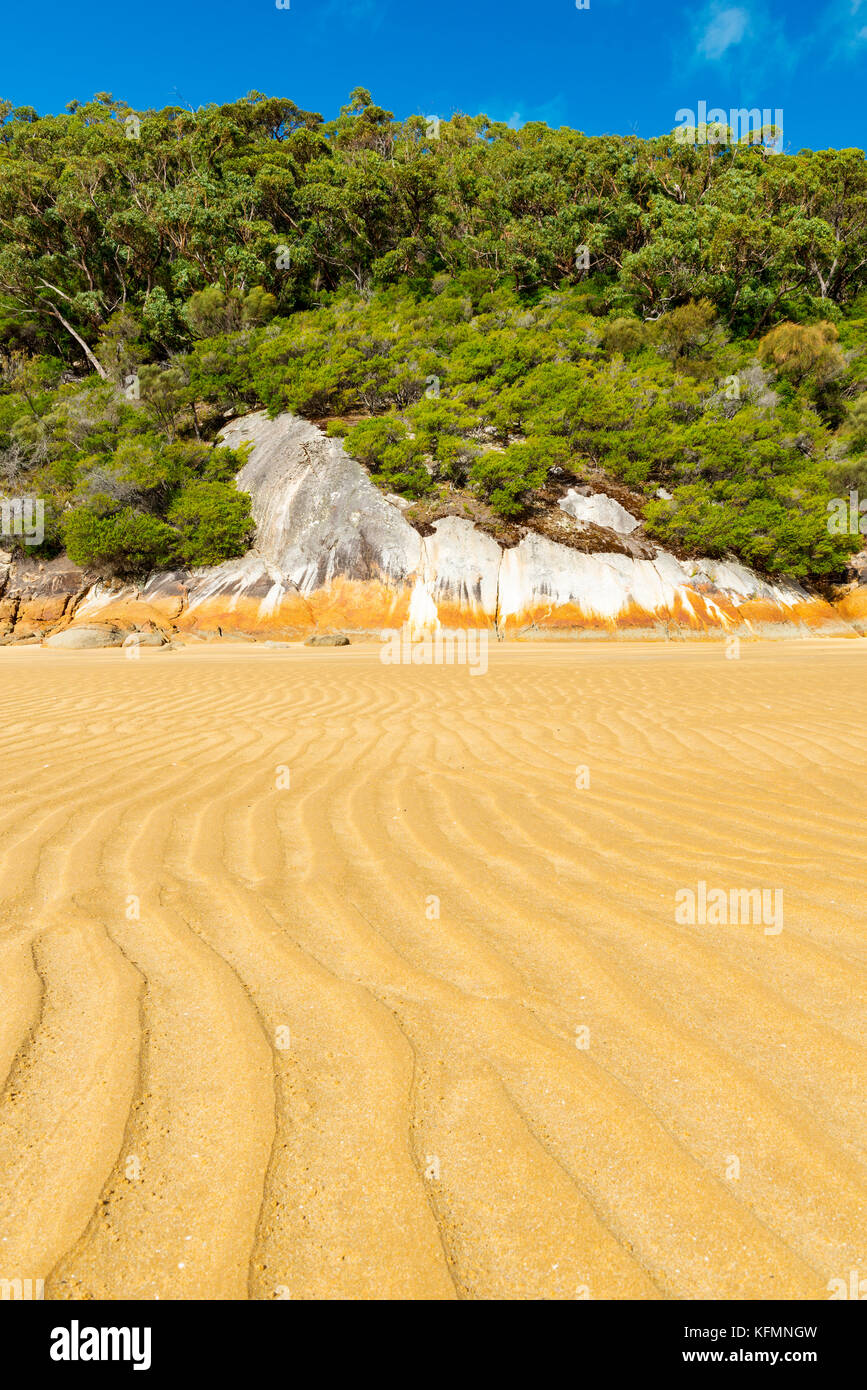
{"points": [[324, 979]]}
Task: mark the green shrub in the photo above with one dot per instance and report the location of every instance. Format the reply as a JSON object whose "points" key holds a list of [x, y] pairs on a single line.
{"points": [[214, 523], [126, 543], [504, 478]]}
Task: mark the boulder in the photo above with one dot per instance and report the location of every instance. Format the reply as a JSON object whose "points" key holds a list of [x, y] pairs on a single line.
{"points": [[79, 638], [327, 639], [145, 639], [599, 509]]}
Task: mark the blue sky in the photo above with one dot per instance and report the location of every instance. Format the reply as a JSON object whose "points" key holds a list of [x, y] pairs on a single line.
{"points": [[620, 65]]}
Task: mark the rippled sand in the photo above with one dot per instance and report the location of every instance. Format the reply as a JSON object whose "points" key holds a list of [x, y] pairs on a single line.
{"points": [[422, 1023]]}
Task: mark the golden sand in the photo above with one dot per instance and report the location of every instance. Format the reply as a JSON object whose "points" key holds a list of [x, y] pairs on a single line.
{"points": [[321, 978]]}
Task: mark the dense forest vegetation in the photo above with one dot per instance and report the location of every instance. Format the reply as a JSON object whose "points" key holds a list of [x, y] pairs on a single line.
{"points": [[471, 305]]}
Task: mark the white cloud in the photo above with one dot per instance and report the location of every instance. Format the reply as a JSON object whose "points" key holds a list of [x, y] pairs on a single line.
{"points": [[726, 28]]}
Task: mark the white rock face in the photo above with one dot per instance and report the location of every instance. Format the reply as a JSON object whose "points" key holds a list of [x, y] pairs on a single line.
{"points": [[741, 583], [601, 510], [322, 522], [603, 587], [462, 564], [238, 579], [318, 515]]}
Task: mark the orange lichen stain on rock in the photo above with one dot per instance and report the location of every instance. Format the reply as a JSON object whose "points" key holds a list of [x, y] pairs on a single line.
{"points": [[814, 613], [373, 605], [43, 610], [455, 616], [698, 612], [554, 617], [756, 611], [634, 618], [127, 612], [572, 617], [255, 616], [166, 608], [359, 605], [852, 608]]}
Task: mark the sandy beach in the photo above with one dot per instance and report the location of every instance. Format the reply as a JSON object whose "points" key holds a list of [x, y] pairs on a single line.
{"points": [[321, 978]]}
